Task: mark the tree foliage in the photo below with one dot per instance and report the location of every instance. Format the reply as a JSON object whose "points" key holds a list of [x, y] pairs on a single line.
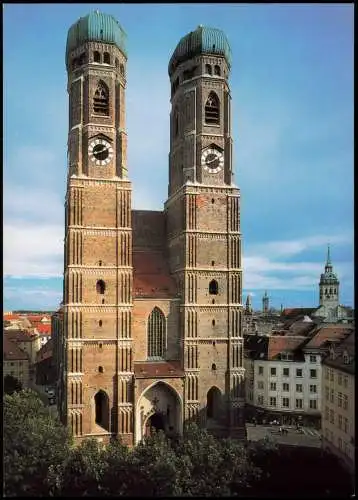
{"points": [[33, 440]]}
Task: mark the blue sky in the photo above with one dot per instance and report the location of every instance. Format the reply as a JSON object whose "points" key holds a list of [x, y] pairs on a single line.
{"points": [[292, 95]]}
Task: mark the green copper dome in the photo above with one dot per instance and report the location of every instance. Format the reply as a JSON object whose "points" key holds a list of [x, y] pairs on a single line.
{"points": [[96, 27], [203, 40]]}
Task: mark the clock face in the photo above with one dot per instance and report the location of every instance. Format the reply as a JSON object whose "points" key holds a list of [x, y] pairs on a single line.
{"points": [[100, 152], [212, 160]]}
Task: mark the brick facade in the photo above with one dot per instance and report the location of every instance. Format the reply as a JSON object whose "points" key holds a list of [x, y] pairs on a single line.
{"points": [[149, 259]]}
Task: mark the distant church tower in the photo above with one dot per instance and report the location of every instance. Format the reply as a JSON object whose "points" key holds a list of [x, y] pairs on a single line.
{"points": [[248, 307], [329, 286], [97, 371], [203, 221], [265, 303]]}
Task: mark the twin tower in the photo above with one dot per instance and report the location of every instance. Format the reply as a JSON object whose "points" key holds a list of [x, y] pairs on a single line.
{"points": [[151, 328]]}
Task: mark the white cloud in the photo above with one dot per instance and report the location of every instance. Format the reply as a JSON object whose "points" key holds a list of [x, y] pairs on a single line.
{"points": [[33, 249]]}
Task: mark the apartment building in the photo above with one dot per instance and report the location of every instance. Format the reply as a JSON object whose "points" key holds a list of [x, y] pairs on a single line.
{"points": [[15, 363], [283, 383], [338, 401], [284, 374]]}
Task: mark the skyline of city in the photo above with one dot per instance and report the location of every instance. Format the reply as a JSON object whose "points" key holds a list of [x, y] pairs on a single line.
{"points": [[293, 139]]}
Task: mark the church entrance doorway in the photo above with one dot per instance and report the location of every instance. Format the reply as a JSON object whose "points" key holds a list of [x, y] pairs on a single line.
{"points": [[154, 423]]}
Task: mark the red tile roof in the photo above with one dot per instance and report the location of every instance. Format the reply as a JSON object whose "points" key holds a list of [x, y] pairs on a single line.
{"points": [[10, 317], [328, 333], [11, 351], [151, 277], [278, 344], [43, 329], [154, 369]]}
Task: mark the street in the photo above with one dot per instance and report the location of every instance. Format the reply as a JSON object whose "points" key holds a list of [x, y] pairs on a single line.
{"points": [[308, 437]]}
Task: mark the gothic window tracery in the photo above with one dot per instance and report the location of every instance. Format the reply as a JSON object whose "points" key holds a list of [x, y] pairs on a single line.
{"points": [[217, 70], [156, 334], [96, 56], [106, 58], [101, 99], [208, 69], [212, 110]]}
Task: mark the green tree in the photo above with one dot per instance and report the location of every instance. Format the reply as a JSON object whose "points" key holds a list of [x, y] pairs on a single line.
{"points": [[11, 384], [33, 440]]}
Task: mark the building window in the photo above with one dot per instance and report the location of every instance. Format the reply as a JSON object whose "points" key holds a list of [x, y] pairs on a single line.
{"points": [[100, 322], [345, 425], [217, 70], [100, 287], [331, 416], [208, 69], [213, 287], [286, 387], [273, 372], [261, 370], [213, 367], [176, 122], [298, 372], [260, 399], [96, 56], [331, 376], [272, 401], [345, 402], [260, 384], [298, 387], [286, 372], [313, 404], [340, 443], [272, 386], [212, 110], [340, 400], [313, 388], [340, 421], [313, 373], [156, 334], [121, 69], [106, 58], [339, 379], [332, 396], [116, 62], [345, 381], [100, 369], [313, 359], [326, 374], [286, 402], [299, 403], [101, 99]]}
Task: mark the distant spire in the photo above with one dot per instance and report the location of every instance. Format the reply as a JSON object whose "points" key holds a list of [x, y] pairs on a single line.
{"points": [[329, 263], [248, 303]]}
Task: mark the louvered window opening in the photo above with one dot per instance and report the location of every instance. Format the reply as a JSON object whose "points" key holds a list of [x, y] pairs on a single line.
{"points": [[156, 335], [101, 101], [212, 111]]}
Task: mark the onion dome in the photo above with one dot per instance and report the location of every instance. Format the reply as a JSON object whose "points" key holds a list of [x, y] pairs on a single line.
{"points": [[203, 40], [96, 27]]}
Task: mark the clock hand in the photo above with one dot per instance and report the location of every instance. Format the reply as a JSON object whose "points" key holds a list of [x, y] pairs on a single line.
{"points": [[211, 161], [101, 150]]}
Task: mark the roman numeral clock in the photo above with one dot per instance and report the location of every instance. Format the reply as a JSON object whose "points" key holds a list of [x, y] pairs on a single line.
{"points": [[100, 152], [212, 160]]}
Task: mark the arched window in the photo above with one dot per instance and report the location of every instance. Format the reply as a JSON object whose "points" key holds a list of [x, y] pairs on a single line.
{"points": [[213, 403], [217, 70], [106, 58], [208, 69], [116, 62], [100, 369], [213, 287], [101, 402], [82, 59], [100, 322], [213, 367], [212, 110], [74, 63], [121, 69], [100, 287], [156, 334], [96, 56], [101, 99]]}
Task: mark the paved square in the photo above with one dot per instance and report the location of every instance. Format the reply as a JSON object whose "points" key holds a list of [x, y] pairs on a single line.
{"points": [[308, 436]]}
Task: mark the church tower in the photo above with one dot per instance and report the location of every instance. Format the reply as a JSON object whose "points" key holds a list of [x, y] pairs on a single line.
{"points": [[96, 364], [329, 286], [265, 303], [203, 228]]}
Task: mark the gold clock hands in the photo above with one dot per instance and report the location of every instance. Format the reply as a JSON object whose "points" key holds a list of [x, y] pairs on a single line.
{"points": [[211, 161], [101, 150]]}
